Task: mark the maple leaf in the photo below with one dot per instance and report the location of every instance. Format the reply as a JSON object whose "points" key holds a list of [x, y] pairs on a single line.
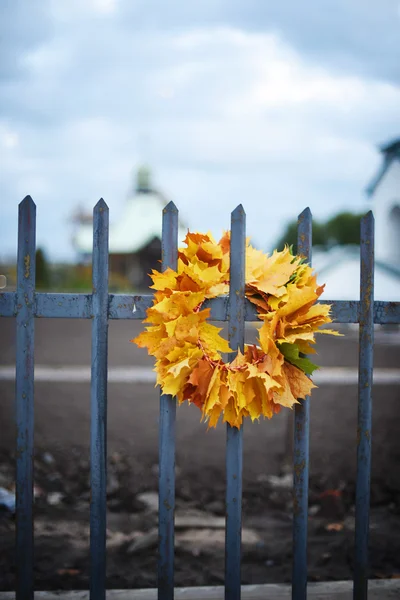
{"points": [[276, 272], [213, 395], [213, 416], [285, 396], [187, 283], [199, 382], [165, 280], [150, 338], [177, 375], [177, 367], [306, 347], [232, 415], [292, 355], [262, 401], [300, 384], [212, 341], [165, 346], [225, 242], [178, 304]]}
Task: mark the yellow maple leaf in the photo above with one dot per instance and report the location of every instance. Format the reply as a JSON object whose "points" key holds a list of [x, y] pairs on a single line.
{"points": [[285, 396], [212, 341], [150, 338], [174, 381], [300, 385], [213, 392], [164, 280]]}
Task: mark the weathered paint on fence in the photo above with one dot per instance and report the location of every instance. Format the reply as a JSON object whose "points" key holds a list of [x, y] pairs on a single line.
{"points": [[301, 450], [365, 369], [166, 461], [121, 306], [24, 397], [25, 305], [234, 438], [98, 404]]}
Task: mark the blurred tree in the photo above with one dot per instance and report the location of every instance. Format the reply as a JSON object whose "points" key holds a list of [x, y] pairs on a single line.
{"points": [[290, 235], [42, 270], [344, 228]]}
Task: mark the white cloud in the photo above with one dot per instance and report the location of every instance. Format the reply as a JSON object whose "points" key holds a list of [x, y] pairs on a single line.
{"points": [[66, 11], [8, 139], [232, 117], [104, 7]]}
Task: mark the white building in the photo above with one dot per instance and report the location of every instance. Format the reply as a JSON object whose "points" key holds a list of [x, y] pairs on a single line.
{"points": [[340, 266], [135, 238]]}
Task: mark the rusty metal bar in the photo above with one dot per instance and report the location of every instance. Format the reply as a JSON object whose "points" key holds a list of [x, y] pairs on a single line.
{"points": [[234, 442], [98, 404], [365, 372], [24, 397], [166, 511], [120, 306], [301, 450]]}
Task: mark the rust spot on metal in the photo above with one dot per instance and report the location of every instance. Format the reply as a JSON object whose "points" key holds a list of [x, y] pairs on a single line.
{"points": [[27, 262], [167, 505], [299, 468], [368, 435], [20, 452], [296, 505]]}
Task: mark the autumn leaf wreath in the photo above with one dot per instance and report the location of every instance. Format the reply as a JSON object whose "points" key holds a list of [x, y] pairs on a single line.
{"points": [[189, 350]]}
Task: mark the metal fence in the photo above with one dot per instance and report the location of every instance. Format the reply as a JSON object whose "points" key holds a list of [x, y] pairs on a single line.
{"points": [[25, 304]]}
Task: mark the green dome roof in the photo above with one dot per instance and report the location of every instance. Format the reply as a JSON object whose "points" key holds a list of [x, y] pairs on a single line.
{"points": [[143, 180]]}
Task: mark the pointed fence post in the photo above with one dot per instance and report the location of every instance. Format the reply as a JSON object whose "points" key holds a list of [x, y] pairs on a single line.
{"points": [[166, 463], [365, 373], [301, 449], [234, 442], [98, 405], [24, 397]]}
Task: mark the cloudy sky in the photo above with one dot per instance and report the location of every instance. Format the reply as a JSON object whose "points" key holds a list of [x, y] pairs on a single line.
{"points": [[275, 105]]}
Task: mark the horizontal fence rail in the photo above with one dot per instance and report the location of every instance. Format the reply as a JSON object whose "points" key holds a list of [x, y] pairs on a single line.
{"points": [[122, 306], [25, 305]]}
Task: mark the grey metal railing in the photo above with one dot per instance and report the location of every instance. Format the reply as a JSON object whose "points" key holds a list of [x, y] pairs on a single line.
{"points": [[25, 304]]}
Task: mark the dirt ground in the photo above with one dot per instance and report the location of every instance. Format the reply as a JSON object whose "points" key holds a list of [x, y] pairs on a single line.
{"points": [[62, 531]]}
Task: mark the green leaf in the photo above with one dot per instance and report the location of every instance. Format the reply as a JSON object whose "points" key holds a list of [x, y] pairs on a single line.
{"points": [[292, 355]]}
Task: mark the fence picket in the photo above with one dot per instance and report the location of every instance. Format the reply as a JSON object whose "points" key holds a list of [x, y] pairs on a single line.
{"points": [[25, 304], [301, 450], [24, 397], [98, 433], [365, 372], [166, 510], [234, 441]]}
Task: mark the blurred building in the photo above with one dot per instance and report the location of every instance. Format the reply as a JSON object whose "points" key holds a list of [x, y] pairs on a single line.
{"points": [[340, 266], [135, 238]]}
